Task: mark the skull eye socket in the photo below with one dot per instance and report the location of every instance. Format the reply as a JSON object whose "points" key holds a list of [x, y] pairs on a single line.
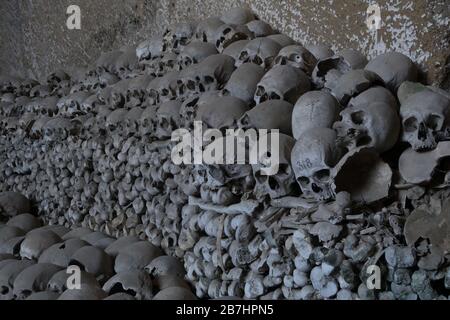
{"points": [[322, 175], [434, 122], [410, 124], [357, 117], [227, 30], [303, 182]]}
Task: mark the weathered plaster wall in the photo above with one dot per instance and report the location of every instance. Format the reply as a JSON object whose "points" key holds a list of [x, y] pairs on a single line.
{"points": [[34, 37]]}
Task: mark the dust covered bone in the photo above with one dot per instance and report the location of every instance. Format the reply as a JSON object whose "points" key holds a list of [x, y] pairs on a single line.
{"points": [[92, 153]]}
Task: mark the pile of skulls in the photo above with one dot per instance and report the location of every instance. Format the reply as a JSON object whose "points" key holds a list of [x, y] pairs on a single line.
{"points": [[52, 262], [363, 180]]}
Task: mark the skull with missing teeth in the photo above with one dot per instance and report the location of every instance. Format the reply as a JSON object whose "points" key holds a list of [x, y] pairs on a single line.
{"points": [[426, 120], [313, 157]]}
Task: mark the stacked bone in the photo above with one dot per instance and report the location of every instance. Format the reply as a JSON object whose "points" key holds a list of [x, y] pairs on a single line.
{"points": [[94, 151], [41, 263]]}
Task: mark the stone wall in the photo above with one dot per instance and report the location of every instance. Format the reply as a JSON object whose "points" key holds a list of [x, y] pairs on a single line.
{"points": [[35, 40]]}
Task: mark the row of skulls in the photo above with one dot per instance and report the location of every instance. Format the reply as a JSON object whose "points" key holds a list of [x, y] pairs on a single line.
{"points": [[232, 71]]}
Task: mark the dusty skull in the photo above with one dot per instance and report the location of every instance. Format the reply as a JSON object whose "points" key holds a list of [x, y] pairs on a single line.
{"points": [[353, 83], [271, 114], [195, 52], [261, 51], [33, 279], [206, 29], [281, 183], [394, 68], [282, 39], [36, 242], [150, 49], [426, 119], [374, 125], [297, 56], [374, 94], [221, 112], [234, 50], [243, 82], [162, 89], [313, 157], [60, 253], [282, 82], [93, 260], [315, 109], [136, 283], [167, 118], [179, 35], [259, 28], [226, 34]]}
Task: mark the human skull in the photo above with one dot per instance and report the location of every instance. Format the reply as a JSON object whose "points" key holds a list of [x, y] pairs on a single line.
{"points": [[353, 83], [374, 125], [136, 256], [163, 89], [298, 57], [36, 242], [59, 129], [315, 109], [115, 119], [8, 274], [205, 30], [211, 74], [164, 266], [313, 157], [261, 51], [136, 283], [167, 118], [60, 253], [394, 68], [25, 222], [93, 260], [106, 61], [426, 119], [282, 183], [150, 49], [282, 82], [374, 94], [33, 279], [234, 50], [179, 35], [195, 52], [226, 34], [259, 28], [221, 112], [282, 39], [191, 105], [243, 82], [271, 114]]}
